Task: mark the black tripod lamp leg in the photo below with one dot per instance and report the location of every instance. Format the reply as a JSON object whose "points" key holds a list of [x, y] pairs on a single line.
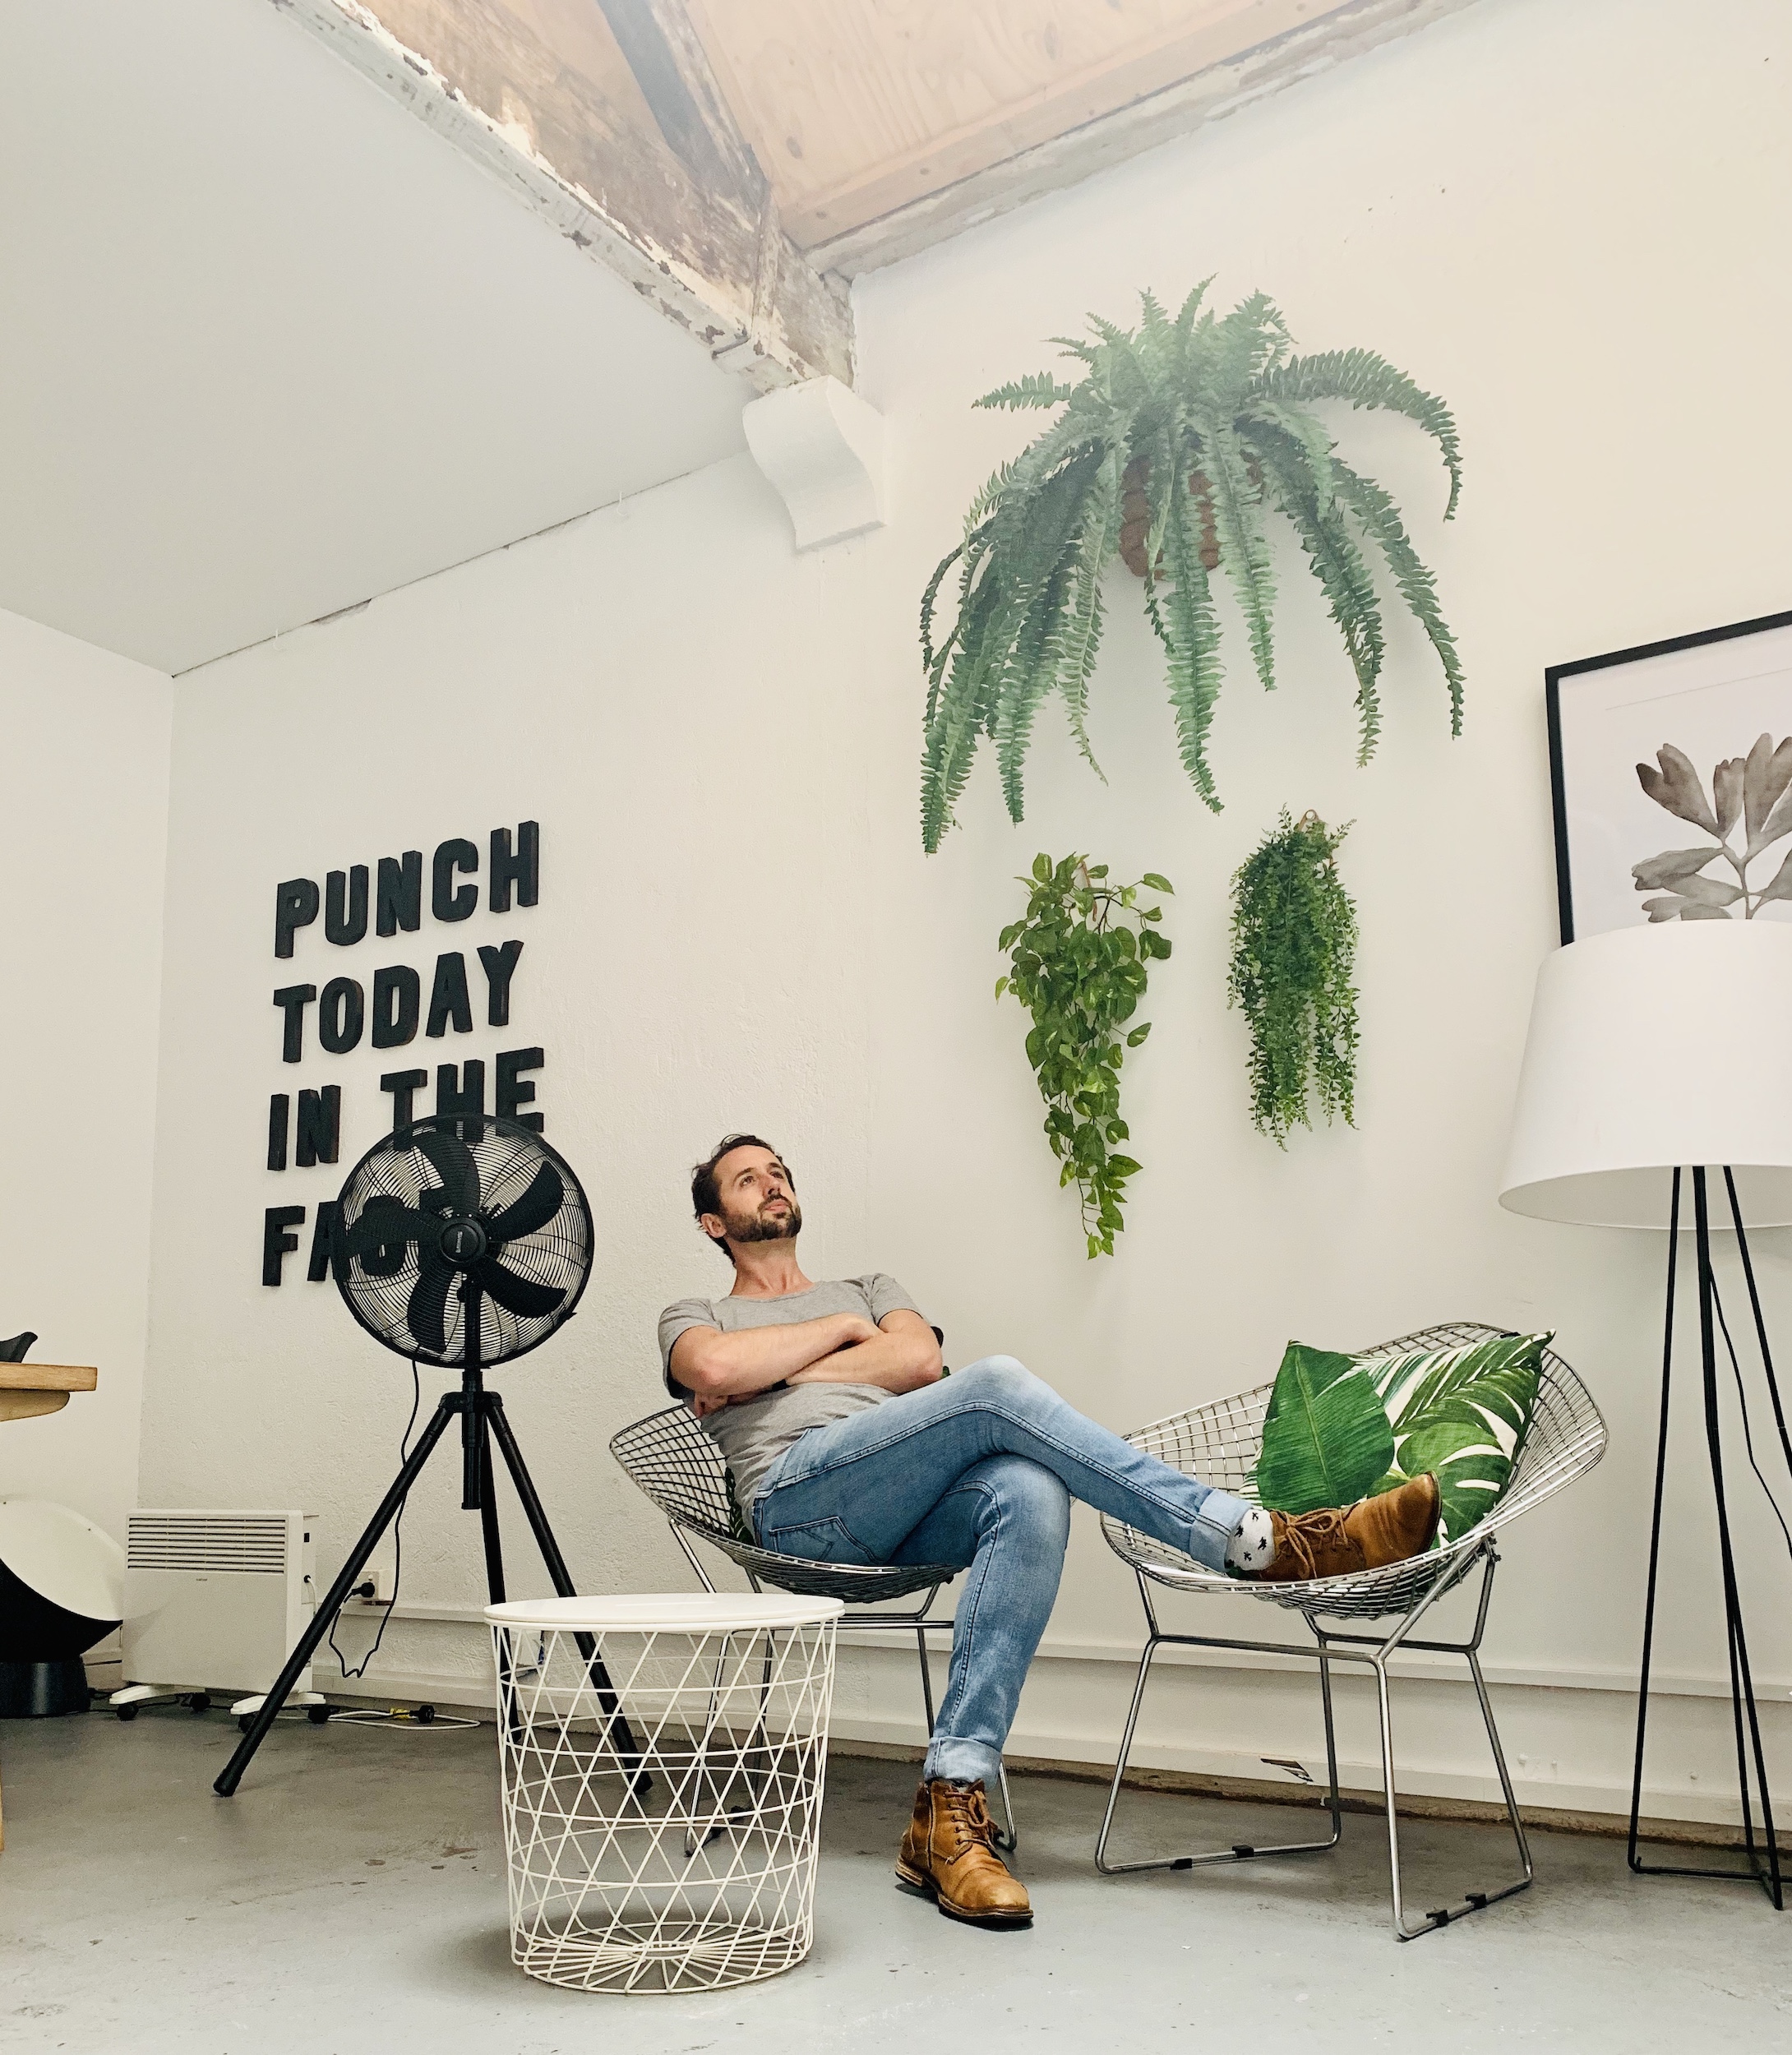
{"points": [[1655, 1531], [537, 1515], [1742, 1686], [325, 1613]]}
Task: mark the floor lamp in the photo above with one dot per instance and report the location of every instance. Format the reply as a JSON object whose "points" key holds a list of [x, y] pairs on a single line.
{"points": [[1656, 1072]]}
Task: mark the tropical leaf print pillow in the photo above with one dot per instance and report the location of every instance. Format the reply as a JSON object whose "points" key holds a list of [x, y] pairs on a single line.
{"points": [[1340, 1428]]}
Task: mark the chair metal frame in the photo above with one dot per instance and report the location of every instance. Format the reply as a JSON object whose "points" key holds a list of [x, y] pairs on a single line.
{"points": [[1220, 1443], [670, 1458]]}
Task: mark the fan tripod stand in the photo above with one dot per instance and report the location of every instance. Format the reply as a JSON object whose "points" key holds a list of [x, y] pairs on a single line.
{"points": [[481, 1420]]}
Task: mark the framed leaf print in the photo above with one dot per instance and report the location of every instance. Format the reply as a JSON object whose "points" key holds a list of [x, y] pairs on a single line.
{"points": [[1671, 772]]}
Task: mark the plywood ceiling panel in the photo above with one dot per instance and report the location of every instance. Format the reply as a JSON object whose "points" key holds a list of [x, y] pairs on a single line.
{"points": [[856, 108]]}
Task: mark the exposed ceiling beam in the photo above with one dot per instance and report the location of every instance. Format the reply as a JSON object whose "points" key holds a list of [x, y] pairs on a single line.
{"points": [[1330, 36], [672, 71], [676, 207]]}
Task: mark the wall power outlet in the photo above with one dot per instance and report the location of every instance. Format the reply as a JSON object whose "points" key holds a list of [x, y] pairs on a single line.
{"points": [[372, 1587]]}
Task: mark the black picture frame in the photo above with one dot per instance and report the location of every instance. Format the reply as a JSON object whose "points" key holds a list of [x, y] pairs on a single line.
{"points": [[1553, 677]]}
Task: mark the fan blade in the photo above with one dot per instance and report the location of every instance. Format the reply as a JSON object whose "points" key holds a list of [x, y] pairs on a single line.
{"points": [[520, 1295], [454, 1166], [384, 1223], [426, 1314], [534, 1209]]}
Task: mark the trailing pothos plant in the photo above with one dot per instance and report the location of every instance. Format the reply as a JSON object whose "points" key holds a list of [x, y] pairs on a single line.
{"points": [[1177, 441], [1293, 955], [1079, 959]]}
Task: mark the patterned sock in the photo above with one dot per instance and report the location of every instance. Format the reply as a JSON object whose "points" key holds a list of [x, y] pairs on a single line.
{"points": [[1253, 1546]]}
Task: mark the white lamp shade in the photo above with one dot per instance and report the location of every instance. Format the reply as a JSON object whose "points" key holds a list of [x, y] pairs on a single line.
{"points": [[1650, 1048]]}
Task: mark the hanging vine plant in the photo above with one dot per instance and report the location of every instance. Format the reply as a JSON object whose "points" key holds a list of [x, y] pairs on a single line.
{"points": [[1078, 960], [1293, 955], [1179, 439]]}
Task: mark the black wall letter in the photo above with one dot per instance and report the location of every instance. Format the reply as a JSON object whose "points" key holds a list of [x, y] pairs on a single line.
{"points": [[279, 1106], [323, 1245], [345, 906], [295, 999], [448, 999], [319, 1126], [295, 906], [399, 902], [469, 1097], [397, 994], [523, 870], [403, 1085], [445, 902], [339, 1014], [276, 1243], [499, 964], [511, 1093]]}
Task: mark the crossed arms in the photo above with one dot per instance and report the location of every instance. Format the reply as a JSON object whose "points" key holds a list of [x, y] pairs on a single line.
{"points": [[900, 1355]]}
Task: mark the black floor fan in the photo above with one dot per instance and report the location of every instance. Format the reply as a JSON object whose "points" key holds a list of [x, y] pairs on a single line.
{"points": [[461, 1239]]}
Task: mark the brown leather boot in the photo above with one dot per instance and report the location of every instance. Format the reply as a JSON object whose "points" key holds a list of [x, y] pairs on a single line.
{"points": [[949, 1853], [1369, 1535]]}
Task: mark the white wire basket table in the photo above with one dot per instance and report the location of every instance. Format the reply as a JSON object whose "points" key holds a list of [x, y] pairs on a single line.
{"points": [[686, 1861]]}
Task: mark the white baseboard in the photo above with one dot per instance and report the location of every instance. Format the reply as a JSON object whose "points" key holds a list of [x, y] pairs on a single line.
{"points": [[476, 1692], [1612, 1801]]}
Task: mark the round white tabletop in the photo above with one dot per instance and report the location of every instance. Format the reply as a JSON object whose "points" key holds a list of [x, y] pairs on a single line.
{"points": [[667, 1612]]}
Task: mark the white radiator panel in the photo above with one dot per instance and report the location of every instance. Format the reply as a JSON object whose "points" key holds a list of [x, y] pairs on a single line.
{"points": [[215, 1600]]}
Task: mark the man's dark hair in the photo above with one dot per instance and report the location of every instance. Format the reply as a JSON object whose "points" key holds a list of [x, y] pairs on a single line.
{"points": [[706, 1196]]}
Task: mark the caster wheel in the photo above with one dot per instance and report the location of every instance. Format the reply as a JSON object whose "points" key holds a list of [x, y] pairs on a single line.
{"points": [[245, 1720], [126, 1712], [423, 1714], [201, 1702], [317, 1715]]}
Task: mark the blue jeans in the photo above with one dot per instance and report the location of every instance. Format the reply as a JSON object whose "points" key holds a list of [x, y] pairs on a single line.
{"points": [[978, 1472]]}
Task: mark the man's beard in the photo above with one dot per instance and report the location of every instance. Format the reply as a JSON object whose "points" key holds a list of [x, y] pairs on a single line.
{"points": [[762, 1227]]}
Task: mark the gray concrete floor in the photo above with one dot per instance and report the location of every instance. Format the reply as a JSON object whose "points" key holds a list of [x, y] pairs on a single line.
{"points": [[350, 1898]]}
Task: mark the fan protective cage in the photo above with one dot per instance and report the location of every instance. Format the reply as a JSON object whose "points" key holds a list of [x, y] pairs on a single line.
{"points": [[432, 1168]]}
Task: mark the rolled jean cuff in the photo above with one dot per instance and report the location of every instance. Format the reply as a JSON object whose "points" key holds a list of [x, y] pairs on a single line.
{"points": [[1220, 1518], [963, 1761]]}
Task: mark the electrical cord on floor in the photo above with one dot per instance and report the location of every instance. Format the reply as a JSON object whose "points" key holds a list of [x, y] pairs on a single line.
{"points": [[398, 1546], [400, 1717]]}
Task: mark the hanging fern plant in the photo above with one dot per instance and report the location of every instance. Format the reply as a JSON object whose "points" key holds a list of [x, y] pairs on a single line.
{"points": [[1179, 439], [1294, 954]]}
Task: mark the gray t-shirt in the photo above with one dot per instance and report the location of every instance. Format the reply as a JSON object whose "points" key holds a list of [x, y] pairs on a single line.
{"points": [[753, 1435]]}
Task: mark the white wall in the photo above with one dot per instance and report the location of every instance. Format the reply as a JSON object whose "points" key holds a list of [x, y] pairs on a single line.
{"points": [[87, 750], [1558, 220]]}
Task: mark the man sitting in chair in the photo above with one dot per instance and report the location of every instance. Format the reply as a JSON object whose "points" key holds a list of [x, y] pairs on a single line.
{"points": [[846, 1447]]}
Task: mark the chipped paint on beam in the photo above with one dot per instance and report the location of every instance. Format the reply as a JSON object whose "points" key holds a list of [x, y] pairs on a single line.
{"points": [[746, 324]]}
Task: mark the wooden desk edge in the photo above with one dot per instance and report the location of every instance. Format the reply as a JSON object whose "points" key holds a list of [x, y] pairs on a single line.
{"points": [[48, 1377]]}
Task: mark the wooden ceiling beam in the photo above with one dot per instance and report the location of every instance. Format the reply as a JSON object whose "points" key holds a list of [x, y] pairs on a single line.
{"points": [[1332, 33], [672, 71], [667, 196]]}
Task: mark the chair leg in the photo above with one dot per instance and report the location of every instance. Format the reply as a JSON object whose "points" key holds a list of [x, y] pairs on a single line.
{"points": [[1240, 1851], [927, 1678], [1513, 1812], [1473, 1901], [1007, 1836]]}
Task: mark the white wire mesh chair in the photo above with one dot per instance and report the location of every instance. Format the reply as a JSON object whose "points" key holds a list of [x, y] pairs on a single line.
{"points": [[1220, 1443], [680, 1469]]}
